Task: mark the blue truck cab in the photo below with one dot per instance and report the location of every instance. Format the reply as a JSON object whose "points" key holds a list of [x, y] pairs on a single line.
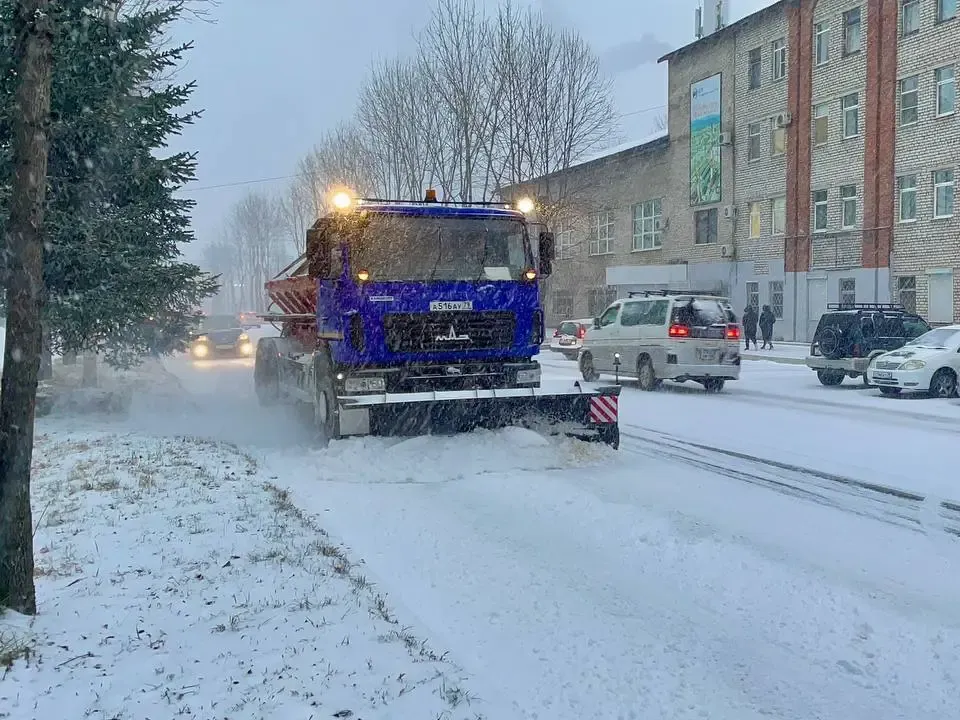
{"points": [[414, 297]]}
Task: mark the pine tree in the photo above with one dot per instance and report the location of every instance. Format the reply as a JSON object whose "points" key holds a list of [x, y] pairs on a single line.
{"points": [[113, 270]]}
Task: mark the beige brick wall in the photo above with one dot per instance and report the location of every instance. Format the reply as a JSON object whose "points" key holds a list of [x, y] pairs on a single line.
{"points": [[762, 179], [931, 144]]}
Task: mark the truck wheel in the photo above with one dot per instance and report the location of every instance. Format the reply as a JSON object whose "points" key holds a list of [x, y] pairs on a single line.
{"points": [[266, 372], [830, 378], [587, 370], [713, 385], [326, 415]]}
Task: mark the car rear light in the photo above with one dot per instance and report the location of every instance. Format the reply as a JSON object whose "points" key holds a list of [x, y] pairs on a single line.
{"points": [[679, 331], [556, 333], [581, 332], [733, 332]]}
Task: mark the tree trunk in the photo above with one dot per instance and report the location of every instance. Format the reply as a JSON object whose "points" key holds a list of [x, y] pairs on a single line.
{"points": [[18, 390], [46, 358], [90, 379]]}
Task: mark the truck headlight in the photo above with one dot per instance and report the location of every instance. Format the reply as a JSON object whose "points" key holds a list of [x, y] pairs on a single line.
{"points": [[364, 384], [528, 376], [913, 365]]}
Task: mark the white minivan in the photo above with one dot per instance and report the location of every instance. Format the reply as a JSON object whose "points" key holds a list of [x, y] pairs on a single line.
{"points": [[662, 335]]}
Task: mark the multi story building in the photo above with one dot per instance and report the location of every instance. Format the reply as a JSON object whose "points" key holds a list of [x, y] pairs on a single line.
{"points": [[811, 154]]}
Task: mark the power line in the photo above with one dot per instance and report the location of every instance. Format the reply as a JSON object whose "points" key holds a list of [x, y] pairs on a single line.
{"points": [[277, 178]]}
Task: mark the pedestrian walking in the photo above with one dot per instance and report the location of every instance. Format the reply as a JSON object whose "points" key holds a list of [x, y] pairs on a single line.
{"points": [[750, 326], [767, 319]]}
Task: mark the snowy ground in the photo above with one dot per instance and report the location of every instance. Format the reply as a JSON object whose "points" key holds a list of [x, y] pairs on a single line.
{"points": [[733, 560]]}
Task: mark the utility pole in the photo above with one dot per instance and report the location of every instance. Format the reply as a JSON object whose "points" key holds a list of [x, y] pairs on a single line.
{"points": [[33, 27]]}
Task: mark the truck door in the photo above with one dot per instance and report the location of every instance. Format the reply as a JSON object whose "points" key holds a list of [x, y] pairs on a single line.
{"points": [[327, 289]]}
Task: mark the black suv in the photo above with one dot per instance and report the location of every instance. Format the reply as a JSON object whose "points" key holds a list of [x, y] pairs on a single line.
{"points": [[850, 336]]}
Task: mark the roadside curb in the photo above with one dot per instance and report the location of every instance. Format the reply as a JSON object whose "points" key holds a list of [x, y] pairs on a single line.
{"points": [[781, 360]]}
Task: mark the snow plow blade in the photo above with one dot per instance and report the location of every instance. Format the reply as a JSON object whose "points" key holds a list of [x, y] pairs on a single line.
{"points": [[587, 413]]}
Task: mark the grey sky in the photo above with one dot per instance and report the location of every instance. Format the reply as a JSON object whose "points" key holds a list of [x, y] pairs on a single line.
{"points": [[273, 74]]}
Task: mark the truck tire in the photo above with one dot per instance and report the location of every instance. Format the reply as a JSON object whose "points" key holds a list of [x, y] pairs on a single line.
{"points": [[326, 416], [266, 372]]}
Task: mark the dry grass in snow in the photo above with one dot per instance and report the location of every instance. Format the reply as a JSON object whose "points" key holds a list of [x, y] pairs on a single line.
{"points": [[174, 582]]}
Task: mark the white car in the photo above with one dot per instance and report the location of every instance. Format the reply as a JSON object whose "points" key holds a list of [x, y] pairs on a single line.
{"points": [[662, 335], [929, 363], [568, 337]]}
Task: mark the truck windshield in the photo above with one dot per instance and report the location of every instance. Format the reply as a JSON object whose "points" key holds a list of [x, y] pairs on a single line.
{"points": [[405, 248]]}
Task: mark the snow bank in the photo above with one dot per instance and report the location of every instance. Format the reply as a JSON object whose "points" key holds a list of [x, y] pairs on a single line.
{"points": [[173, 581]]}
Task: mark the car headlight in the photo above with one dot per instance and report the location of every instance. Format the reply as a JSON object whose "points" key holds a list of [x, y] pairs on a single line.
{"points": [[913, 365], [201, 350], [244, 337], [364, 384], [246, 348]]}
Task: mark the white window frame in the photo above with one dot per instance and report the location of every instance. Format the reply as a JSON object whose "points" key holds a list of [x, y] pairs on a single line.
{"points": [[941, 83], [825, 204], [603, 234], [751, 65], [754, 133], [821, 42], [941, 17], [907, 287], [903, 93], [845, 111], [946, 181], [846, 199], [909, 8], [565, 241], [903, 190], [821, 111], [753, 294], [778, 59], [774, 130], [775, 289], [647, 232], [708, 213], [778, 228], [847, 49], [755, 213], [851, 288]]}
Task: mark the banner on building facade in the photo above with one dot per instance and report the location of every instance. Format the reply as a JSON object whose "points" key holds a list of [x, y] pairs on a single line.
{"points": [[705, 116]]}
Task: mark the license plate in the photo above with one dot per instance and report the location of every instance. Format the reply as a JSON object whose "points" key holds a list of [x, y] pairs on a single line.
{"points": [[707, 355], [446, 305], [883, 374], [224, 347], [566, 341]]}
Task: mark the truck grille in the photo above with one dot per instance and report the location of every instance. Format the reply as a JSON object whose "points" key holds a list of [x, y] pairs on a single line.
{"points": [[432, 331]]}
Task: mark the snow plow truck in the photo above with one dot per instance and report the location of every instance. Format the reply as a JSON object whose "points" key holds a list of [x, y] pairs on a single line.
{"points": [[410, 317]]}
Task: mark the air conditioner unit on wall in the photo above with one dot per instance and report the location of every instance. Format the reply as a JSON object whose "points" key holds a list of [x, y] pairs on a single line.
{"points": [[726, 251], [783, 119], [726, 138], [729, 211]]}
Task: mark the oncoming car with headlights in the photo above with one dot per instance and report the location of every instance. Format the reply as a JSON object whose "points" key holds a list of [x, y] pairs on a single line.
{"points": [[220, 336], [929, 363]]}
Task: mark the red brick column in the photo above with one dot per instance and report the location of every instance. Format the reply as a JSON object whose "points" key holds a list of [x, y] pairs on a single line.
{"points": [[880, 127], [799, 134]]}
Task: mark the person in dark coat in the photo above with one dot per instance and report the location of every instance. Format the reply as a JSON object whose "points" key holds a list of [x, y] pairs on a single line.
{"points": [[767, 319], [750, 326]]}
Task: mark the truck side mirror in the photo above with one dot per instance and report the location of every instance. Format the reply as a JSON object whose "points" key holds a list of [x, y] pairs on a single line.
{"points": [[547, 251], [318, 253]]}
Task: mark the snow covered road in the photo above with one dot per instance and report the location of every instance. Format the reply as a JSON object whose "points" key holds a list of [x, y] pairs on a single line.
{"points": [[571, 581]]}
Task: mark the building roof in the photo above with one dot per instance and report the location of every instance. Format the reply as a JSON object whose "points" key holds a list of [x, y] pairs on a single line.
{"points": [[723, 32]]}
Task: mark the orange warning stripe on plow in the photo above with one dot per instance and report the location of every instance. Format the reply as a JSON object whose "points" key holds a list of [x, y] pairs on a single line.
{"points": [[603, 409]]}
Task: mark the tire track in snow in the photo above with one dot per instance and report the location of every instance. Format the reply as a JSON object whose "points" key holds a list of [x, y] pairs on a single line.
{"points": [[888, 504]]}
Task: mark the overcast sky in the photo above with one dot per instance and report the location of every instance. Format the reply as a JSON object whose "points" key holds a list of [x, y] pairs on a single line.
{"points": [[273, 74]]}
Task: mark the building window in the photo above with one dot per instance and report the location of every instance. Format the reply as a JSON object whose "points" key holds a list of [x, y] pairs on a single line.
{"points": [[943, 193], [946, 90], [907, 187], [602, 241], [565, 241], [848, 206], [946, 10], [778, 141], [820, 208], [600, 300], [754, 220], [706, 226], [775, 288], [909, 17], [821, 124], [907, 292], [909, 100], [646, 225], [821, 41], [778, 215], [563, 304], [753, 68], [753, 294], [848, 291], [851, 31], [778, 59], [753, 141], [850, 107]]}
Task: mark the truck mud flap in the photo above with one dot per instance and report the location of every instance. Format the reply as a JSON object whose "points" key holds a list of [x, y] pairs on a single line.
{"points": [[590, 414]]}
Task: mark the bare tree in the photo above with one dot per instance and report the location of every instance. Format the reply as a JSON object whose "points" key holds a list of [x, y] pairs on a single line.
{"points": [[255, 229], [297, 210], [24, 293]]}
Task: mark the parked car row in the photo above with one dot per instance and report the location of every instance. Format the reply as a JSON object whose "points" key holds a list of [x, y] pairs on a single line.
{"points": [[685, 335]]}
